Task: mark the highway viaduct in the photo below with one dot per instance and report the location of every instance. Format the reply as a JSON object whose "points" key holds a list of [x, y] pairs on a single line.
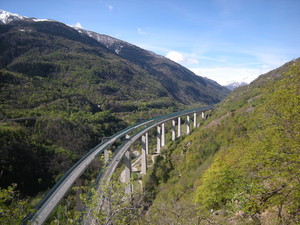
{"points": [[44, 208]]}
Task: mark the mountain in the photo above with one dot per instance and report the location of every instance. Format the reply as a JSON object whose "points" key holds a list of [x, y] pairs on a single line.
{"points": [[242, 165], [165, 70], [64, 89], [7, 17], [234, 84], [140, 68]]}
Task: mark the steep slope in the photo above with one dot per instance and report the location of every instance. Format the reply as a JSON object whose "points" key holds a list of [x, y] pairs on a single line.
{"points": [[48, 48], [242, 166], [183, 84]]}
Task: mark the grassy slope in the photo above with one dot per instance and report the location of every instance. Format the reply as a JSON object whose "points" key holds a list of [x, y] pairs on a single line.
{"points": [[243, 166]]}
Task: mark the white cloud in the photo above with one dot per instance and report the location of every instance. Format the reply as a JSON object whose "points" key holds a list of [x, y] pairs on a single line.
{"points": [[175, 56], [224, 75], [78, 25], [181, 58], [140, 31]]}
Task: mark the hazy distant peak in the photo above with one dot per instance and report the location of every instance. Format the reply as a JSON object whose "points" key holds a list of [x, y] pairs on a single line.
{"points": [[231, 85]]}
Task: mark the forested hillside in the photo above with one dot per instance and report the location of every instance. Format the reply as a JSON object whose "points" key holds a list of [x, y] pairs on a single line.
{"points": [[59, 90], [242, 166], [62, 92]]}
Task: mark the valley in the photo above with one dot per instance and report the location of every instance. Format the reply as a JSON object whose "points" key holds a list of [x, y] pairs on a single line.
{"points": [[64, 90]]}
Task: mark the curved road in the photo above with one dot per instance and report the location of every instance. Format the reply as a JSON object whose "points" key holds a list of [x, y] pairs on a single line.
{"points": [[122, 150], [53, 197]]}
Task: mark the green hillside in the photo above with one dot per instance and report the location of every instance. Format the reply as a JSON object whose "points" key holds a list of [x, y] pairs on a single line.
{"points": [[62, 92], [242, 166]]}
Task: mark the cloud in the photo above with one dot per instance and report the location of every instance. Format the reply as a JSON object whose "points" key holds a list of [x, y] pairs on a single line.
{"points": [[225, 75], [140, 31], [110, 7], [78, 25], [181, 58], [175, 56]]}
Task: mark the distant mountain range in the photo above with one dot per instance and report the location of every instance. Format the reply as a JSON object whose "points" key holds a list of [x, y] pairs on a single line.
{"points": [[233, 85]]}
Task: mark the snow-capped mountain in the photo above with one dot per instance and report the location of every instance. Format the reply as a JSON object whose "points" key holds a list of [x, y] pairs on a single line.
{"points": [[7, 17], [234, 84], [111, 43], [169, 73]]}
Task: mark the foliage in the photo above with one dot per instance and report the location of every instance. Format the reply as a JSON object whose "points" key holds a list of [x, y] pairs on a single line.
{"points": [[261, 175], [12, 208], [242, 166]]}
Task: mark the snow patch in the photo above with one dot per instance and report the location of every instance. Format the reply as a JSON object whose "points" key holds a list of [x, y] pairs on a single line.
{"points": [[42, 20], [118, 49], [7, 17]]}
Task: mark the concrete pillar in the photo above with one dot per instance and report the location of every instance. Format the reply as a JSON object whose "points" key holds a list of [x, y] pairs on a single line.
{"points": [[127, 159], [158, 139], [203, 116], [144, 156], [195, 120], [173, 130], [147, 143], [163, 135], [179, 127], [106, 156], [188, 124]]}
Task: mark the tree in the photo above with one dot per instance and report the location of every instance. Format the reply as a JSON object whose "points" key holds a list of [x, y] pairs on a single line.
{"points": [[12, 207]]}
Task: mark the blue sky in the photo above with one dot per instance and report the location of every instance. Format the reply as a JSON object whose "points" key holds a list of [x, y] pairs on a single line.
{"points": [[224, 40]]}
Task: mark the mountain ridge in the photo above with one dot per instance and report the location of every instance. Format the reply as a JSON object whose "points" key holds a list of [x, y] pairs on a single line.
{"points": [[191, 88]]}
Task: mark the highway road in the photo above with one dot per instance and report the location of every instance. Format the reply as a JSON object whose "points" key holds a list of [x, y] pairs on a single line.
{"points": [[122, 150], [54, 196]]}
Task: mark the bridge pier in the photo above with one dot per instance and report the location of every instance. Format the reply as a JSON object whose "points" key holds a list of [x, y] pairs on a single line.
{"points": [[195, 120], [163, 135], [106, 156], [147, 141], [188, 124], [158, 148], [173, 130], [179, 127], [144, 155], [127, 174]]}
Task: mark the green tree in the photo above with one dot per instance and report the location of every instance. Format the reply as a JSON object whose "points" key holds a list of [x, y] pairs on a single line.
{"points": [[12, 208]]}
